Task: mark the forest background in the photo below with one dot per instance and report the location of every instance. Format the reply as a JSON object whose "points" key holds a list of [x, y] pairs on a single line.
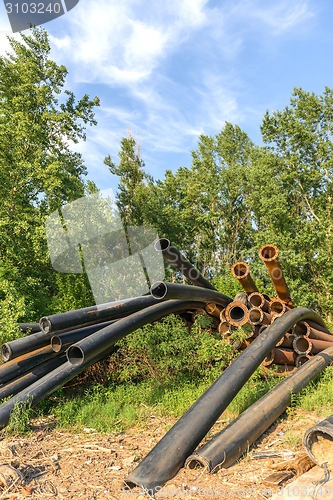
{"points": [[235, 197]]}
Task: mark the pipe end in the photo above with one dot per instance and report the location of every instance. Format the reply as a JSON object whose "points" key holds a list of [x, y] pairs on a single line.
{"points": [[45, 324], [162, 245], [75, 355], [6, 352], [158, 290]]}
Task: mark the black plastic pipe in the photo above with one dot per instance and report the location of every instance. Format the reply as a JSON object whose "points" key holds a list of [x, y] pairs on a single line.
{"points": [[177, 260], [19, 383], [29, 327], [318, 439], [164, 291], [101, 341], [17, 366], [94, 314], [59, 342], [168, 456], [230, 444], [18, 347], [44, 386]]}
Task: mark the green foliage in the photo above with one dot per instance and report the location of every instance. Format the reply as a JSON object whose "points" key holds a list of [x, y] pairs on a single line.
{"points": [[38, 171], [166, 352], [19, 421]]}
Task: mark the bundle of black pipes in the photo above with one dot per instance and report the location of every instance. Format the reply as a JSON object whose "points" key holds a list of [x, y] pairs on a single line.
{"points": [[36, 365]]}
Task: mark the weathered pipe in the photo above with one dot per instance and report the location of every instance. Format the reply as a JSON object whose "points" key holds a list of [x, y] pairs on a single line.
{"points": [[19, 383], [301, 328], [104, 339], [286, 341], [258, 317], [319, 335], [59, 342], [302, 345], [177, 260], [269, 254], [29, 327], [237, 314], [284, 356], [321, 328], [301, 359], [318, 441], [224, 327], [17, 347], [164, 291], [15, 367], [94, 314], [257, 299], [319, 345], [277, 307], [213, 309], [229, 444], [44, 386], [241, 271], [168, 456]]}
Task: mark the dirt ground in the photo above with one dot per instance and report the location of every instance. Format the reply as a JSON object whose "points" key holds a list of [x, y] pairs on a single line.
{"points": [[53, 463]]}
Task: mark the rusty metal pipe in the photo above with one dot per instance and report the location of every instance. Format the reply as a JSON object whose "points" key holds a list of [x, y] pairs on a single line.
{"points": [[301, 359], [237, 314], [229, 444], [277, 307], [257, 299], [258, 317], [301, 328], [286, 341], [241, 271], [270, 255], [302, 345], [177, 260], [319, 345], [213, 309], [168, 456]]}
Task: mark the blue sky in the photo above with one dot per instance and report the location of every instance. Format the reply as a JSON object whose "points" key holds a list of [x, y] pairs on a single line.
{"points": [[170, 71]]}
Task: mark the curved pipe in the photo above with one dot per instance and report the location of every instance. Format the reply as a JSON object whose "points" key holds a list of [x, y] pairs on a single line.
{"points": [[229, 444], [94, 314], [269, 254], [177, 260], [168, 456], [164, 291], [318, 441], [99, 343], [21, 382], [241, 271], [61, 341], [44, 386]]}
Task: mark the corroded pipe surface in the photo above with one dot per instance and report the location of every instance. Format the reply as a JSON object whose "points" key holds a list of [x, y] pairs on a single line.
{"points": [[237, 314], [270, 255], [319, 345], [301, 328], [258, 317], [257, 299], [277, 307], [213, 309], [241, 271], [301, 359], [283, 356], [286, 341], [302, 345]]}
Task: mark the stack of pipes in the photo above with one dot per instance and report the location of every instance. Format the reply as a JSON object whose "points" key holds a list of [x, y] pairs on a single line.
{"points": [[255, 311]]}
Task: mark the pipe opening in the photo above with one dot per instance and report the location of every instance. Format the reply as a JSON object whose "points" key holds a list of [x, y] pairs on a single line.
{"points": [[195, 463], [255, 300], [162, 244], [301, 359], [236, 313], [302, 345], [158, 290], [240, 270], [262, 329], [301, 328], [6, 352], [268, 252], [255, 316], [276, 307], [56, 344], [75, 355], [45, 324]]}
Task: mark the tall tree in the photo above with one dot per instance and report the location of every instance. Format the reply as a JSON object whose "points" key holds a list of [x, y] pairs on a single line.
{"points": [[38, 170]]}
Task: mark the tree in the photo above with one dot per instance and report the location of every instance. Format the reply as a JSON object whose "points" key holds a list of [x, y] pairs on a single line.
{"points": [[38, 170]]}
